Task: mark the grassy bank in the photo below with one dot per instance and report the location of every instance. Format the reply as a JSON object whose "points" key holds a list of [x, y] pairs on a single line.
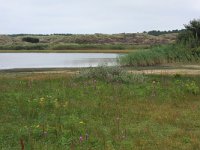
{"points": [[83, 41], [72, 46], [56, 111]]}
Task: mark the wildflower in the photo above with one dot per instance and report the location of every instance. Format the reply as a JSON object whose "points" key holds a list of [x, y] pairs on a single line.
{"points": [[81, 139], [81, 122], [41, 101]]}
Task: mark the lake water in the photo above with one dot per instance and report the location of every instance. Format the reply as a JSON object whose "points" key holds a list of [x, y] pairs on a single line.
{"points": [[55, 60]]}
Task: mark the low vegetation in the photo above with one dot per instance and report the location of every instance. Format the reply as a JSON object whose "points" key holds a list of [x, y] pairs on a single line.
{"points": [[110, 74], [24, 47], [90, 111], [161, 55], [96, 46], [73, 42]]}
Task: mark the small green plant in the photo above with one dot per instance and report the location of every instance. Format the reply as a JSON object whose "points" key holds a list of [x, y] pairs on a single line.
{"points": [[187, 86], [192, 87]]}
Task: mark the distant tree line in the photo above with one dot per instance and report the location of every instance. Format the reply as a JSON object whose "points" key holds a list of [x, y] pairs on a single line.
{"points": [[63, 34], [153, 32], [157, 32], [16, 35]]}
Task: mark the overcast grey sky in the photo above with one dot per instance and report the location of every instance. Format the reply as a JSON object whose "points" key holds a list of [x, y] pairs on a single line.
{"points": [[95, 16]]}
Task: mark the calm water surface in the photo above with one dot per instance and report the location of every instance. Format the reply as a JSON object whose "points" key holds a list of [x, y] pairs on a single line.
{"points": [[55, 60]]}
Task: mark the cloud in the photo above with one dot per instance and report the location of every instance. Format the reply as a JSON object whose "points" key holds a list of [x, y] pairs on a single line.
{"points": [[89, 16]]}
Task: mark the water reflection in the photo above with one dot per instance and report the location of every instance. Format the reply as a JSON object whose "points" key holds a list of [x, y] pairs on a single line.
{"points": [[55, 60]]}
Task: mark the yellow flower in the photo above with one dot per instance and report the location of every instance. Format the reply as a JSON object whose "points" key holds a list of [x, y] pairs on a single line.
{"points": [[81, 122], [42, 98], [41, 101]]}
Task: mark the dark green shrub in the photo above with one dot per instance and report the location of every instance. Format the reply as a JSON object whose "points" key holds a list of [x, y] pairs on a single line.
{"points": [[30, 40], [190, 37], [194, 27], [157, 32], [187, 39]]}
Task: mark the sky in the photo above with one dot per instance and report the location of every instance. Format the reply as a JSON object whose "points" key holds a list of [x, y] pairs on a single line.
{"points": [[95, 16]]}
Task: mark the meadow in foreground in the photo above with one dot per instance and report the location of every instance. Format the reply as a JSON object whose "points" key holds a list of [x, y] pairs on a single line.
{"points": [[56, 111]]}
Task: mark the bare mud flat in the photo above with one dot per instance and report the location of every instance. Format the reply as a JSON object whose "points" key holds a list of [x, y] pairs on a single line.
{"points": [[182, 70], [171, 70], [168, 72]]}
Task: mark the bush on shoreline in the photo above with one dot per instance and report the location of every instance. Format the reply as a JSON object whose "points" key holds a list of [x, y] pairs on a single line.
{"points": [[185, 50], [110, 75]]}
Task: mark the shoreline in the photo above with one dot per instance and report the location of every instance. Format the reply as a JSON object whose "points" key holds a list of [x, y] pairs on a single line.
{"points": [[186, 70], [67, 51]]}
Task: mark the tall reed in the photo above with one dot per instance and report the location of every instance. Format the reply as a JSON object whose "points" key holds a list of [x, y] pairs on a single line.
{"points": [[160, 55]]}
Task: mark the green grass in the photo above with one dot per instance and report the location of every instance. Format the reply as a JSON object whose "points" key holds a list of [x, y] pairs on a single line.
{"points": [[24, 47], [168, 54], [52, 111]]}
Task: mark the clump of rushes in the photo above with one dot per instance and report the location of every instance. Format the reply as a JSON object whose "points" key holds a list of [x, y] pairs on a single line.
{"points": [[110, 74], [160, 55]]}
